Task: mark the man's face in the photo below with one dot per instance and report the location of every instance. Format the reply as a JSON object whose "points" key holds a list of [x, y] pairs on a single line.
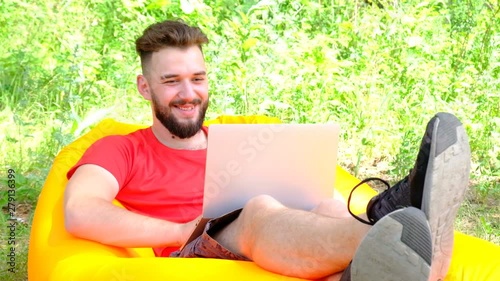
{"points": [[179, 89]]}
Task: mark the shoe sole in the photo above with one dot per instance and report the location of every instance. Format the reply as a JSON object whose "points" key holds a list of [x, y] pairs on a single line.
{"points": [[446, 181], [398, 247]]}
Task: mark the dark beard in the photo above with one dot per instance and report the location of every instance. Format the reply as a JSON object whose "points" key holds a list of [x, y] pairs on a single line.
{"points": [[181, 130]]}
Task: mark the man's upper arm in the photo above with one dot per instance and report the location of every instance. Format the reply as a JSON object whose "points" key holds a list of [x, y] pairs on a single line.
{"points": [[91, 181]]}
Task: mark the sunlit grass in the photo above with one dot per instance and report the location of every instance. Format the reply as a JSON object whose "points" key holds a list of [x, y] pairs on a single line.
{"points": [[380, 73]]}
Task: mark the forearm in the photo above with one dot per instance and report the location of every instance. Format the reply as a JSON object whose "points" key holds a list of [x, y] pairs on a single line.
{"points": [[99, 220]]}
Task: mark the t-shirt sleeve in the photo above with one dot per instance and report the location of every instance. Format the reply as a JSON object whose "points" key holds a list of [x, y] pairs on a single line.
{"points": [[113, 153]]}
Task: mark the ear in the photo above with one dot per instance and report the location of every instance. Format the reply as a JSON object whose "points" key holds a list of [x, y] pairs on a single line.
{"points": [[143, 87]]}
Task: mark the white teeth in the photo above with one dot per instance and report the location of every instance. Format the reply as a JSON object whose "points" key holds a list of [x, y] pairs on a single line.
{"points": [[186, 108]]}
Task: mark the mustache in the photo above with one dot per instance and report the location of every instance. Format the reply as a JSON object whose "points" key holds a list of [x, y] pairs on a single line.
{"points": [[184, 102]]}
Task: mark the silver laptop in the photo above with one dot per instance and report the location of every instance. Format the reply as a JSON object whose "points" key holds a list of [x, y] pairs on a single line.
{"points": [[294, 163]]}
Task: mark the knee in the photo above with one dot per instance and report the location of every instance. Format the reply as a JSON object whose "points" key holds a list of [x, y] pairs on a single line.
{"points": [[254, 218], [261, 203], [257, 209]]}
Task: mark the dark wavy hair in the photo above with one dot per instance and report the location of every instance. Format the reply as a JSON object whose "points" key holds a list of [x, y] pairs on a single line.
{"points": [[169, 33]]}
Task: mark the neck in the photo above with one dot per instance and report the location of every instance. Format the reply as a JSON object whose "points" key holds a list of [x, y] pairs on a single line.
{"points": [[196, 142]]}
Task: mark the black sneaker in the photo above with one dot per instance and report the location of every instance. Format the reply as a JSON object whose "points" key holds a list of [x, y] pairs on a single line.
{"points": [[446, 180], [408, 192], [397, 247], [436, 185], [391, 199]]}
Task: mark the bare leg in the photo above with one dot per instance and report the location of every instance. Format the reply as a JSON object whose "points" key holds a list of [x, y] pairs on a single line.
{"points": [[294, 242]]}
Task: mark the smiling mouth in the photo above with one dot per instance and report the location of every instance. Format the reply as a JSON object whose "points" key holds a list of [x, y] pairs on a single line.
{"points": [[186, 107]]}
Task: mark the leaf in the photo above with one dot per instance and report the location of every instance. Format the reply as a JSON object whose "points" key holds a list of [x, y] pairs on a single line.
{"points": [[346, 25], [257, 27], [249, 43], [11, 139], [244, 17], [158, 4]]}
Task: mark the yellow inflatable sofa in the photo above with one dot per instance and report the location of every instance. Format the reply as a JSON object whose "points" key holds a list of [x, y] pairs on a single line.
{"points": [[56, 255]]}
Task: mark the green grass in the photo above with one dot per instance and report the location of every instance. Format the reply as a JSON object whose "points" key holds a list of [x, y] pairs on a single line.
{"points": [[380, 73]]}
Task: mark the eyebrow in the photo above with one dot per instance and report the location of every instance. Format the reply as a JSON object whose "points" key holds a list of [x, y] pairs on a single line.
{"points": [[167, 76]]}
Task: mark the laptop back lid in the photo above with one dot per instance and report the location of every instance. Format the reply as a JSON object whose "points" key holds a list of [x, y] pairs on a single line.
{"points": [[294, 163]]}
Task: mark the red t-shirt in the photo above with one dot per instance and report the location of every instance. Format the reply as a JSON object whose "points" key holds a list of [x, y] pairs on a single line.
{"points": [[154, 180]]}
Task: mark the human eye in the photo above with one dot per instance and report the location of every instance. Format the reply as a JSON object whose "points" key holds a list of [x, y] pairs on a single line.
{"points": [[199, 79], [170, 81]]}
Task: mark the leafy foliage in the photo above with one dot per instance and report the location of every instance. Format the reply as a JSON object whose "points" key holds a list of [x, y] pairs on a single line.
{"points": [[380, 73]]}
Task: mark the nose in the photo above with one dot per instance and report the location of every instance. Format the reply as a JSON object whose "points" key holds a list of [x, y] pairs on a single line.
{"points": [[187, 91]]}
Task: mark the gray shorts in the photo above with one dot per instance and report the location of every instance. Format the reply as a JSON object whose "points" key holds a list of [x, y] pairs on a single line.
{"points": [[204, 246]]}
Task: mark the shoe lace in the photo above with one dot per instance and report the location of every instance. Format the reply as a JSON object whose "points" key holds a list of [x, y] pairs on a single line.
{"points": [[370, 221]]}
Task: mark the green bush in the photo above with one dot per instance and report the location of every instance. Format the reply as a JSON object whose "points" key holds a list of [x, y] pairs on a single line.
{"points": [[380, 73]]}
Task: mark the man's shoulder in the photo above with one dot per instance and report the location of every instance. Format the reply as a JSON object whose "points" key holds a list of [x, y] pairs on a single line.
{"points": [[133, 139], [113, 152], [134, 136]]}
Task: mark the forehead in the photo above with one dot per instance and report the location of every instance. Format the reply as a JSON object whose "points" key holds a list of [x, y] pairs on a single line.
{"points": [[178, 61]]}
